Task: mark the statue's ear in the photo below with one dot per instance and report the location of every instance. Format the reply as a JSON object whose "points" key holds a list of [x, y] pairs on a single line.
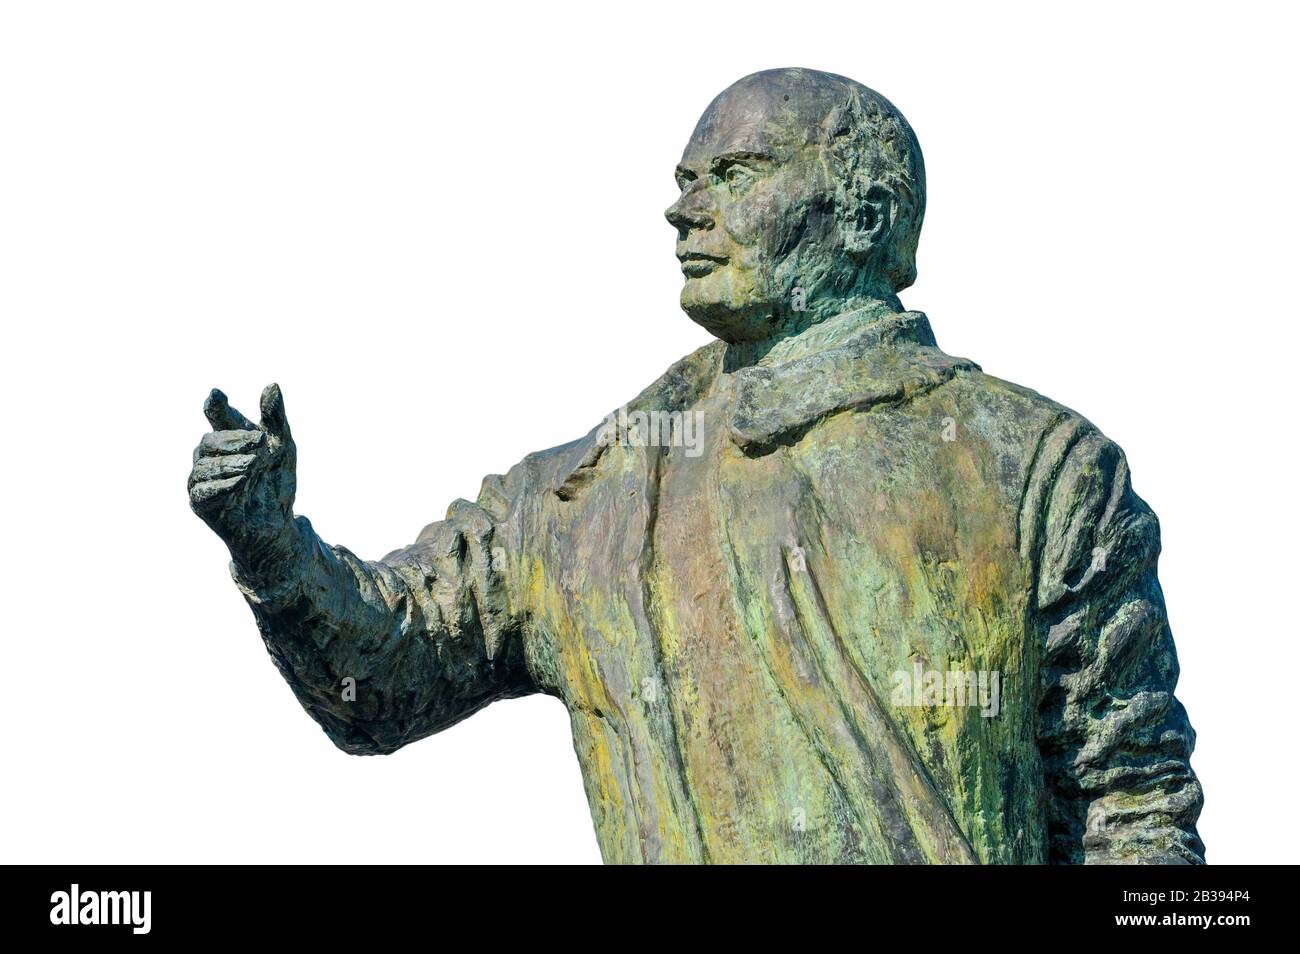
{"points": [[867, 221]]}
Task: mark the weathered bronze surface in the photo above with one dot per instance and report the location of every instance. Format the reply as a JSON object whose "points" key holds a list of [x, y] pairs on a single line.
{"points": [[821, 593]]}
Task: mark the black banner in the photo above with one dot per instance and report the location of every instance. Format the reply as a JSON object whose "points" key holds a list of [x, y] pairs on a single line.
{"points": [[133, 905]]}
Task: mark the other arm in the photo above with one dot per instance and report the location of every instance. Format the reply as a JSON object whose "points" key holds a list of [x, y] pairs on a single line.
{"points": [[1115, 742]]}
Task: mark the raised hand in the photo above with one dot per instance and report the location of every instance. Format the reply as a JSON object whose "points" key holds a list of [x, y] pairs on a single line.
{"points": [[244, 478]]}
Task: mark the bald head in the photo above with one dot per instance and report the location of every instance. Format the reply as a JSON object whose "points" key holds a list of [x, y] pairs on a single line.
{"points": [[777, 106], [798, 188]]}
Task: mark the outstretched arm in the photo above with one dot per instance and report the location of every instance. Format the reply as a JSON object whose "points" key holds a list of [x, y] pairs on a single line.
{"points": [[1115, 741], [379, 653]]}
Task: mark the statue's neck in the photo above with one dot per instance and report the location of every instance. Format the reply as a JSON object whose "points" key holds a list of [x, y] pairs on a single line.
{"points": [[809, 331]]}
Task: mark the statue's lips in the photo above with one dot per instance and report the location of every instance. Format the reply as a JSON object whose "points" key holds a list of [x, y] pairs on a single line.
{"points": [[697, 264]]}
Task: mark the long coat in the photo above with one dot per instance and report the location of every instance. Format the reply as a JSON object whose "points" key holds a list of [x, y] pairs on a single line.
{"points": [[878, 607]]}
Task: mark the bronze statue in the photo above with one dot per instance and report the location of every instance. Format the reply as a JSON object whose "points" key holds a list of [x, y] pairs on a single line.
{"points": [[821, 593]]}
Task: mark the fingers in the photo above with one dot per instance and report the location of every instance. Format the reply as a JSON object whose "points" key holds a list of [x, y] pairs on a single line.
{"points": [[273, 416], [222, 416], [233, 454], [219, 468], [215, 443], [211, 490]]}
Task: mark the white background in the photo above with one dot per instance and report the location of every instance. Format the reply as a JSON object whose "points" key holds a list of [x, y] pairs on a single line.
{"points": [[439, 227]]}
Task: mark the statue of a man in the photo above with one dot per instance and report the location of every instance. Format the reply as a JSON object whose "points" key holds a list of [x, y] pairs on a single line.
{"points": [[821, 593]]}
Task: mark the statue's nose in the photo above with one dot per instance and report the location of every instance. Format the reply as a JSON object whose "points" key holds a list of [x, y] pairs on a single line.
{"points": [[686, 214]]}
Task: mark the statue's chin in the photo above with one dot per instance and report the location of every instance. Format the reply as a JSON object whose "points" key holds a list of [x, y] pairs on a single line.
{"points": [[725, 319]]}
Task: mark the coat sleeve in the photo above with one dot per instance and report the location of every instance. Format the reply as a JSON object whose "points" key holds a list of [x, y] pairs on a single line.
{"points": [[386, 652], [1115, 742]]}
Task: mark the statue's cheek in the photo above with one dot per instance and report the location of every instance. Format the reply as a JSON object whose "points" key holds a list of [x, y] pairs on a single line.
{"points": [[759, 218]]}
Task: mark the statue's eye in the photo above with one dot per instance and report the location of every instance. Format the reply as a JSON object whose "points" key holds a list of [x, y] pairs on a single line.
{"points": [[737, 176]]}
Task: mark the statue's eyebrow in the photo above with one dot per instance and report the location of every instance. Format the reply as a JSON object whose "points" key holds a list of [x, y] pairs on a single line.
{"points": [[722, 160]]}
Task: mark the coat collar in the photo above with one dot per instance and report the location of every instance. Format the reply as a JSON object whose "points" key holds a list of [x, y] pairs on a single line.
{"points": [[850, 363], [872, 355]]}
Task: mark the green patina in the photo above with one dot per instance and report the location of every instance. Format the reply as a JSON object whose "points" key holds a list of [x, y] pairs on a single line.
{"points": [[729, 626]]}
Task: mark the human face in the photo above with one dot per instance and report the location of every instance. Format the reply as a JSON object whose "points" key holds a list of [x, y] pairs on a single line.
{"points": [[756, 220]]}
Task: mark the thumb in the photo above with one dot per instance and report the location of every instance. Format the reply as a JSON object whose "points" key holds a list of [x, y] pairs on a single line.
{"points": [[222, 416], [273, 417]]}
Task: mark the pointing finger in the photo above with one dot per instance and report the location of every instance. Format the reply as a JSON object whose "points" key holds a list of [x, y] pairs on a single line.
{"points": [[273, 416], [222, 416]]}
